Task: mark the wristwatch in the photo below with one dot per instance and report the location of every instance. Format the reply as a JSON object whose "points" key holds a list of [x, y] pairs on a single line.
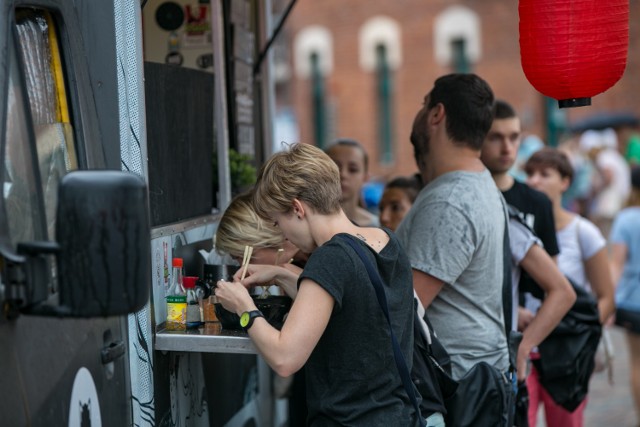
{"points": [[247, 318]]}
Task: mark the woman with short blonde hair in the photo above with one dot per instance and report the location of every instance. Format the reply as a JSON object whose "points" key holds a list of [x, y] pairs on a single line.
{"points": [[335, 328]]}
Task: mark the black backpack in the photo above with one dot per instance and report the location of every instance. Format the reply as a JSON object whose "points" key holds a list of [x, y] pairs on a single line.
{"points": [[567, 354]]}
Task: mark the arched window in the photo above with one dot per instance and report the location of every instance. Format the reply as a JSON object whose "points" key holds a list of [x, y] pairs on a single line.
{"points": [[313, 59], [380, 52], [457, 38]]}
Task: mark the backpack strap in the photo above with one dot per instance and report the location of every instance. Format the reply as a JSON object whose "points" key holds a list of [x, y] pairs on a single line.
{"points": [[376, 280]]}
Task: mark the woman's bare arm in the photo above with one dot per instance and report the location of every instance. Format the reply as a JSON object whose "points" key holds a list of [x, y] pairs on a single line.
{"points": [[599, 276], [286, 351]]}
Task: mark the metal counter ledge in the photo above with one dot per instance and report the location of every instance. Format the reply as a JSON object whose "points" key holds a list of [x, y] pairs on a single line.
{"points": [[210, 338]]}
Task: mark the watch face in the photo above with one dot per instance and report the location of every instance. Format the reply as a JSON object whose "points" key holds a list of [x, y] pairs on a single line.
{"points": [[244, 319]]}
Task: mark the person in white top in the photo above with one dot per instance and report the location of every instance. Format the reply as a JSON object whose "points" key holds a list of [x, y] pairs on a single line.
{"points": [[583, 258], [614, 185]]}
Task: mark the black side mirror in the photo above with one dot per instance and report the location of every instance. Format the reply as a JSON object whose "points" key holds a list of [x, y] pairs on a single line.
{"points": [[103, 233]]}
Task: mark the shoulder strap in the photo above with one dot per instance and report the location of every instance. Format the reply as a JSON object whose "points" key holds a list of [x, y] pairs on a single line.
{"points": [[376, 280], [506, 280], [513, 339]]}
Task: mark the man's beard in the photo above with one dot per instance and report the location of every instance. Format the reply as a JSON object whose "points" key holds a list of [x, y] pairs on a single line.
{"points": [[421, 151]]}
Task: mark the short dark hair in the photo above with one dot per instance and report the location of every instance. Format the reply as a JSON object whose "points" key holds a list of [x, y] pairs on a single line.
{"points": [[503, 110], [409, 185], [550, 157], [467, 100], [348, 142]]}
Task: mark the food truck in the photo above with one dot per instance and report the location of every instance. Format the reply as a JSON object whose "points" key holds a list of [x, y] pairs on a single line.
{"points": [[118, 119]]}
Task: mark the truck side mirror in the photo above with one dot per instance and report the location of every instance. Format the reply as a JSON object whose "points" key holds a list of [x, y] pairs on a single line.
{"points": [[102, 230]]}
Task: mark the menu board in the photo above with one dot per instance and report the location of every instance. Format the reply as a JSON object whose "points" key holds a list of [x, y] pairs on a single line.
{"points": [[243, 46]]}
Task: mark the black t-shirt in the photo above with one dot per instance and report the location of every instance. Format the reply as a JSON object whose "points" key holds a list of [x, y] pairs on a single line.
{"points": [[352, 378], [538, 215]]}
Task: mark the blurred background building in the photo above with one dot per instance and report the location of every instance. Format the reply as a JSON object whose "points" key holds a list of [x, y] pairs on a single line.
{"points": [[360, 69]]}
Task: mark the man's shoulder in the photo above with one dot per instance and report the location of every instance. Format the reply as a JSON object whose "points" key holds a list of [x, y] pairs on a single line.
{"points": [[524, 197]]}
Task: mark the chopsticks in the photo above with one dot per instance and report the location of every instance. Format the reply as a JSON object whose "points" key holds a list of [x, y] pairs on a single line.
{"points": [[246, 259], [278, 254]]}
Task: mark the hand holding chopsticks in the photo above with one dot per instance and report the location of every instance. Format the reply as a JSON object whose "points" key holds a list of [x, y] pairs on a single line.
{"points": [[265, 288]]}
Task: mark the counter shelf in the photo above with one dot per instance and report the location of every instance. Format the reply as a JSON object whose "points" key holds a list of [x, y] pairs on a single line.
{"points": [[210, 338]]}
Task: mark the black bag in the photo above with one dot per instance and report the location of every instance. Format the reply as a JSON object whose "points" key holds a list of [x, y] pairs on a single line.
{"points": [[434, 385], [437, 357], [521, 416], [567, 354], [486, 396], [628, 319]]}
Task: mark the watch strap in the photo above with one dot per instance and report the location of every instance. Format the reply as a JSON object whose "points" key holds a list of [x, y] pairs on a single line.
{"points": [[252, 316]]}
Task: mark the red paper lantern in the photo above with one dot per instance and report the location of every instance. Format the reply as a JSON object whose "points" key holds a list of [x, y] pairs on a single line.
{"points": [[572, 50]]}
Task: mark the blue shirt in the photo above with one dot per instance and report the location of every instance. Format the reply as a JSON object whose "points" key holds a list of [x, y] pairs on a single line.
{"points": [[626, 230]]}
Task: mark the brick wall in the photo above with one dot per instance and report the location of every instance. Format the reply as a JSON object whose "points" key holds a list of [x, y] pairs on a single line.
{"points": [[352, 91]]}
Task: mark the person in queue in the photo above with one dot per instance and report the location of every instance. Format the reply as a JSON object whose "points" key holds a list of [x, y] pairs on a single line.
{"points": [[499, 153], [530, 235], [335, 328], [529, 256], [397, 198], [625, 268], [353, 162], [454, 232], [583, 258]]}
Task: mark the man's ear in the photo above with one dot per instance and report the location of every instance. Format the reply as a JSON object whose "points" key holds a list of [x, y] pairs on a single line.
{"points": [[436, 114]]}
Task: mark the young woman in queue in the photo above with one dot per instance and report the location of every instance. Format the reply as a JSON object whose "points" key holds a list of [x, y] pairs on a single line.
{"points": [[583, 258]]}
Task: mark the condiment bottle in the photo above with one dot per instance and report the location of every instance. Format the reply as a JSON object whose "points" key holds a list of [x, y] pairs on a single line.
{"points": [[209, 298], [194, 314], [176, 298]]}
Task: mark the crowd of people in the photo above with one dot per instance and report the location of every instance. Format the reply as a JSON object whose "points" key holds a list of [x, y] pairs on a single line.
{"points": [[438, 237]]}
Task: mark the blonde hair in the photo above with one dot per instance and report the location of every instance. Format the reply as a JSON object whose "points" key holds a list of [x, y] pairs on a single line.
{"points": [[302, 172], [241, 226]]}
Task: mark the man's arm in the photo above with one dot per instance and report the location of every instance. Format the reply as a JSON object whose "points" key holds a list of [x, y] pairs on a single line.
{"points": [[426, 286], [559, 298]]}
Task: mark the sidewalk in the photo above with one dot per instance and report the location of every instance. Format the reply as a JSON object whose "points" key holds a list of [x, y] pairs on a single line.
{"points": [[609, 405]]}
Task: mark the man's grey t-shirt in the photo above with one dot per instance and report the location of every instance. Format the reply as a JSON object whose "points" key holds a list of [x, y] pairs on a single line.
{"points": [[454, 232]]}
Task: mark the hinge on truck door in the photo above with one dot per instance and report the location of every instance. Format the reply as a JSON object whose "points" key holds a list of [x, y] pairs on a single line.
{"points": [[14, 287], [25, 278]]}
